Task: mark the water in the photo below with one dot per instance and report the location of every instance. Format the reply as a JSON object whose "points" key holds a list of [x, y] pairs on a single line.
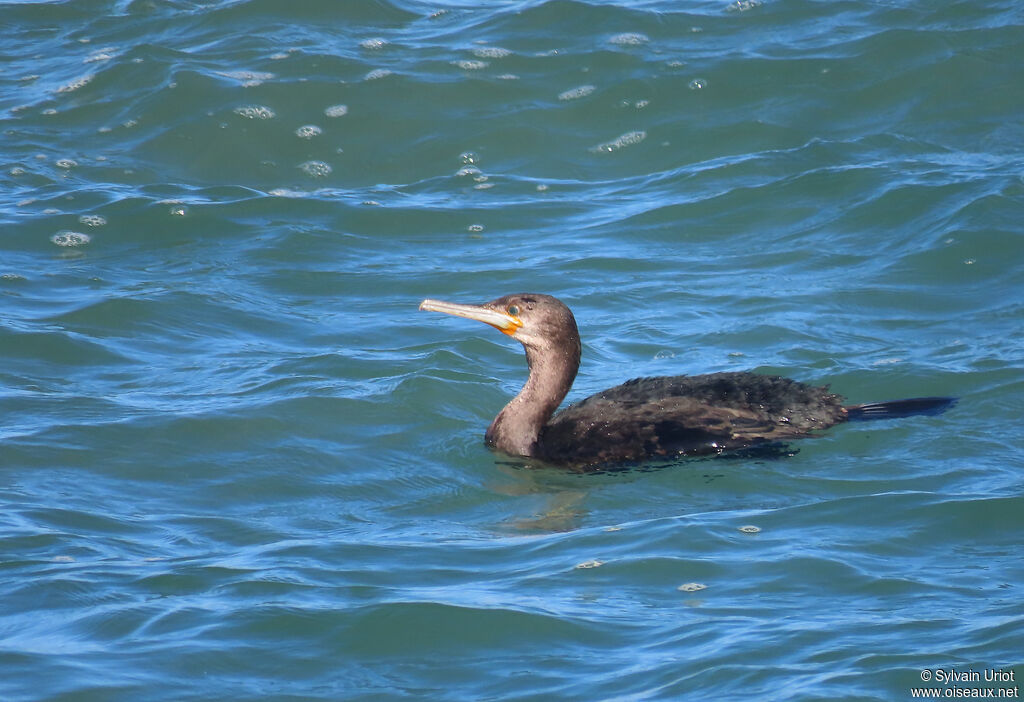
{"points": [[237, 464]]}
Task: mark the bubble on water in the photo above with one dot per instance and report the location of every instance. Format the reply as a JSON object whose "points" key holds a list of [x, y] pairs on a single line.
{"points": [[467, 171], [68, 238], [76, 83], [17, 171], [469, 65], [641, 104], [743, 5], [491, 52], [483, 186], [178, 211], [692, 587], [629, 39], [92, 220], [49, 111], [377, 74], [308, 131], [11, 276], [507, 76], [475, 228], [697, 84], [373, 43], [336, 111], [541, 187], [66, 163], [595, 563], [627, 139], [317, 169], [468, 157], [750, 529], [576, 93], [254, 112]]}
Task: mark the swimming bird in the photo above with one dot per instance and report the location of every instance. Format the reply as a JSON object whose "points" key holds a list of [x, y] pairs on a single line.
{"points": [[647, 418]]}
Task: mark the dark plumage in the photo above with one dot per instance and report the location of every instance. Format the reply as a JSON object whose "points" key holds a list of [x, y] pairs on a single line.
{"points": [[646, 418]]}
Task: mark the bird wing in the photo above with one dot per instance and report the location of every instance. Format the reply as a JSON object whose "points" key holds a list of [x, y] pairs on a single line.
{"points": [[682, 416]]}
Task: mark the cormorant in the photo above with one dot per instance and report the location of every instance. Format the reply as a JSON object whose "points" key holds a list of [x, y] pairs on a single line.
{"points": [[647, 418]]}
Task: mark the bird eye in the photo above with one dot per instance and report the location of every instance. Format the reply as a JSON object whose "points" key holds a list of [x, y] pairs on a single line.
{"points": [[513, 310]]}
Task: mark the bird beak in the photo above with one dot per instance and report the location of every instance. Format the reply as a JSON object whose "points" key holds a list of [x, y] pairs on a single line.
{"points": [[499, 320]]}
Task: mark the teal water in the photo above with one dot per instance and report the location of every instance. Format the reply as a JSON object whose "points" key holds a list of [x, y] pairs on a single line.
{"points": [[237, 464]]}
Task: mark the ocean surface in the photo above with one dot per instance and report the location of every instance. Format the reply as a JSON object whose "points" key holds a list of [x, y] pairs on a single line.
{"points": [[236, 463]]}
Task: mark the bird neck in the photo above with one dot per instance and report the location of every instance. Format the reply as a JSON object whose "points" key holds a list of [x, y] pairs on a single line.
{"points": [[518, 426]]}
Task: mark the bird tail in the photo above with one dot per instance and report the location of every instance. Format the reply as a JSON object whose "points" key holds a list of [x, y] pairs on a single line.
{"points": [[895, 409]]}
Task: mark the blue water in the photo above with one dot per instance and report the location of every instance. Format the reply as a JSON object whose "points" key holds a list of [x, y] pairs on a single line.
{"points": [[236, 463]]}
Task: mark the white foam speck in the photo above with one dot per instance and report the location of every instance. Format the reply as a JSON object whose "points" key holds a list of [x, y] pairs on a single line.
{"points": [[68, 238], [66, 163], [377, 74], [373, 43], [336, 111], [697, 84], [75, 84], [629, 39], [317, 169], [743, 5], [104, 54], [627, 139], [469, 65], [490, 52], [92, 220], [248, 78], [308, 131], [577, 92], [692, 587], [254, 112]]}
